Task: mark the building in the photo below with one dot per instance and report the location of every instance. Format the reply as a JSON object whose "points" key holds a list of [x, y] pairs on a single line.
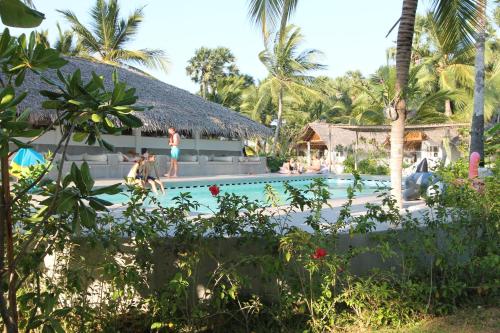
{"points": [[209, 131], [436, 142]]}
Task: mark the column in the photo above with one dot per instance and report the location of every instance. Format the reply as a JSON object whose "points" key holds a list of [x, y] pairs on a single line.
{"points": [[309, 153], [138, 141]]}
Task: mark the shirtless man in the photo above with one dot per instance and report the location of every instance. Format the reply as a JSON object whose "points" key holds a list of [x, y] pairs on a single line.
{"points": [[174, 140]]}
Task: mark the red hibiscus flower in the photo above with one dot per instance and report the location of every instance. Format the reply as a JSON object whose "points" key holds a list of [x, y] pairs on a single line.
{"points": [[319, 253], [214, 189]]}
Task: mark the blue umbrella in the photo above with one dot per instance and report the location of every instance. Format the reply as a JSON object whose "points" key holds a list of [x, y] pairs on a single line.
{"points": [[25, 158]]}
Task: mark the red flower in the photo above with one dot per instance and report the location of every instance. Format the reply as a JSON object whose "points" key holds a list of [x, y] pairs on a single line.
{"points": [[214, 189], [319, 253]]}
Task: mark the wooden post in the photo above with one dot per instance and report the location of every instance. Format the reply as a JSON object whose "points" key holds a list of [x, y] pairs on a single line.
{"points": [[330, 149], [309, 153]]}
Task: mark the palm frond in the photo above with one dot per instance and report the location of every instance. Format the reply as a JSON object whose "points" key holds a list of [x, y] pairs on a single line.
{"points": [[457, 20]]}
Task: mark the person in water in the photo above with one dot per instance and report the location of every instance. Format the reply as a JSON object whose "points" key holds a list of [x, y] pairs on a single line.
{"points": [[173, 141], [151, 174]]}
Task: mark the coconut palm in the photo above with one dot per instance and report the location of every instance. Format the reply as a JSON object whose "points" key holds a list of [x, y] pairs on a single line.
{"points": [[288, 69], [229, 90], [477, 125], [458, 20], [209, 65], [272, 15], [109, 34], [65, 43], [448, 67]]}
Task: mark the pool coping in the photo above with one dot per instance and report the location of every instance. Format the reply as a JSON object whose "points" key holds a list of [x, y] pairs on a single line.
{"points": [[222, 180]]}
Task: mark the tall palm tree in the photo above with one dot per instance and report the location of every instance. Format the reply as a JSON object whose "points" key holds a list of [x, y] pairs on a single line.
{"points": [[65, 43], [288, 69], [451, 65], [109, 34], [209, 65], [458, 20], [272, 15], [477, 125]]}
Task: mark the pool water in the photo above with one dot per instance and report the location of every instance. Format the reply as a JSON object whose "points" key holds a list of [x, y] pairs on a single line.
{"points": [[254, 191]]}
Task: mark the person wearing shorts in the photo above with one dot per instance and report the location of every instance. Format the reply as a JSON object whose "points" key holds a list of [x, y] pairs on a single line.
{"points": [[152, 175], [173, 141]]}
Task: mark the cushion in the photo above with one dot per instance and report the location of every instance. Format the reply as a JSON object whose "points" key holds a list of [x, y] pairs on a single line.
{"points": [[188, 158], [74, 157], [223, 159], [95, 158]]}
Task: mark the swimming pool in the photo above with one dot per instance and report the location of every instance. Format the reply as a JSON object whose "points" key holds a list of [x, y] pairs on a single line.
{"points": [[254, 189]]}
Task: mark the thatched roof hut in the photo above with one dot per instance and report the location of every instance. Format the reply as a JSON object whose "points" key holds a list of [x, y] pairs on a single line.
{"points": [[171, 106], [322, 135]]}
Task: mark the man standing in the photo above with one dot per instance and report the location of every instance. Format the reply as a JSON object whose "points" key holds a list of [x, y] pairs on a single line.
{"points": [[174, 140]]}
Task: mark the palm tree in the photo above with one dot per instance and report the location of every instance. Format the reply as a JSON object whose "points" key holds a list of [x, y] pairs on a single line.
{"points": [[228, 90], [458, 21], [288, 69], [451, 65], [272, 14], [477, 125], [65, 45], [108, 36], [209, 65]]}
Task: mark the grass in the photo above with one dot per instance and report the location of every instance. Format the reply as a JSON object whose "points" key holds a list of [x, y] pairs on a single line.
{"points": [[478, 320]]}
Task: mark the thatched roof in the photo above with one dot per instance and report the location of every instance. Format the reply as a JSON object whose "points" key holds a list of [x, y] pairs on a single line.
{"points": [[171, 106], [324, 134]]}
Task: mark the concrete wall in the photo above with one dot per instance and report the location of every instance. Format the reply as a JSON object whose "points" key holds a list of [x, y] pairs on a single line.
{"points": [[158, 145], [114, 169], [164, 252]]}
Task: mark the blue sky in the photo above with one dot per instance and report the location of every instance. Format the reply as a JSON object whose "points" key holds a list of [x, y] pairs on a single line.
{"points": [[351, 34]]}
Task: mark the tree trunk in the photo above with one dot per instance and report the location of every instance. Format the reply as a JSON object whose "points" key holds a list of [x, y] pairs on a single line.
{"points": [[11, 322], [477, 125], [356, 152], [403, 58], [447, 108], [278, 122]]}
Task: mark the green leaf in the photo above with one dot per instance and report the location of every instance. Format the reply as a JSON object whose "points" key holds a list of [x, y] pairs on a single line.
{"points": [[66, 202], [87, 216], [99, 204], [96, 118], [79, 136], [56, 325], [112, 189], [14, 13], [86, 177]]}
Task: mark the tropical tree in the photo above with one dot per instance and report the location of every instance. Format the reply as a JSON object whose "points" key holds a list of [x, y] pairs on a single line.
{"points": [[209, 65], [458, 21], [109, 34], [272, 15], [288, 69], [477, 125], [65, 45], [228, 90], [448, 67]]}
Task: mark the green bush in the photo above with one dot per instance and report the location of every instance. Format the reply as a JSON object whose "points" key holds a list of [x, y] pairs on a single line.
{"points": [[274, 163], [242, 269], [366, 167]]}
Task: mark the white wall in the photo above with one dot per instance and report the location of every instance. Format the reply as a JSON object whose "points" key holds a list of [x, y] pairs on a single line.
{"points": [[138, 142]]}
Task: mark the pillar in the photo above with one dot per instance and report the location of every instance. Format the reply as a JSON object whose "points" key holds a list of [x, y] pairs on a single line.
{"points": [[308, 152], [137, 139], [196, 137]]}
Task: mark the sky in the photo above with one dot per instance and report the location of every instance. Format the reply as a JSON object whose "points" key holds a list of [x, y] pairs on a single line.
{"points": [[350, 34]]}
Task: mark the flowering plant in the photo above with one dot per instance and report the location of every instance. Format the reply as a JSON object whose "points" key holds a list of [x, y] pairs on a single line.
{"points": [[214, 189]]}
